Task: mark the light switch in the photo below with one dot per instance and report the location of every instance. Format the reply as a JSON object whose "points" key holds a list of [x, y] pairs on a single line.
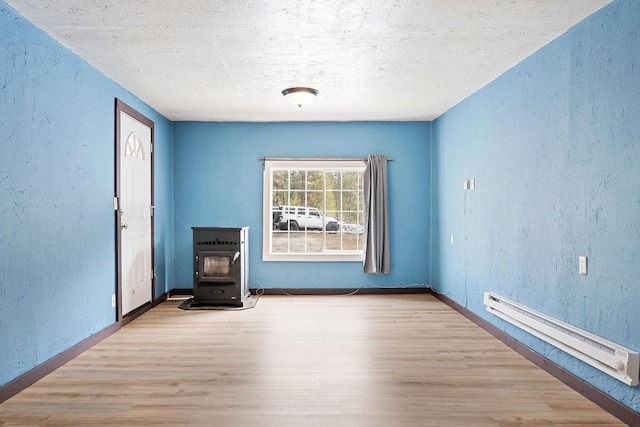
{"points": [[453, 240], [582, 265], [472, 184]]}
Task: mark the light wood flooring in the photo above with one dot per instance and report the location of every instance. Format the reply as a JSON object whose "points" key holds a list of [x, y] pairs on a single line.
{"points": [[361, 360]]}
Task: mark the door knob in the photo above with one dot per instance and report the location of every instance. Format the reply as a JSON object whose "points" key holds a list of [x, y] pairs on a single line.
{"points": [[124, 225]]}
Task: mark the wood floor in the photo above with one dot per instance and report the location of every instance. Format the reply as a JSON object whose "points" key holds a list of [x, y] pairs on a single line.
{"points": [[361, 360]]}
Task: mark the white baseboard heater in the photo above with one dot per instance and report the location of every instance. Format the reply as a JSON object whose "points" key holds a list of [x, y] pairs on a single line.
{"points": [[611, 358]]}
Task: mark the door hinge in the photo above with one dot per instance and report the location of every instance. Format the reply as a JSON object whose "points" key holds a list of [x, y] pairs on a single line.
{"points": [[152, 210], [153, 273], [151, 147], [115, 203]]}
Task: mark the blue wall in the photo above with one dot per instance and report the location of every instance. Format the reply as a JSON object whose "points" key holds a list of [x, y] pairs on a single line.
{"points": [[554, 147], [218, 182], [57, 242], [552, 144]]}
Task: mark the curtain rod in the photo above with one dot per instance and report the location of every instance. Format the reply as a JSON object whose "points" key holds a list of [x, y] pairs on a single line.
{"points": [[284, 159]]}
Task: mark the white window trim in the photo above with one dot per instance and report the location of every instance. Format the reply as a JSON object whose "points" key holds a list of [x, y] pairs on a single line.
{"points": [[267, 255]]}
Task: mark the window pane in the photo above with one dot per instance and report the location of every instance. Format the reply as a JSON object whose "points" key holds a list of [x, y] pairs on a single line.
{"points": [[314, 241], [331, 203], [333, 180], [297, 198], [334, 241], [280, 180], [315, 180], [297, 241], [334, 200], [279, 242], [315, 200], [280, 198], [350, 180], [350, 200], [297, 180]]}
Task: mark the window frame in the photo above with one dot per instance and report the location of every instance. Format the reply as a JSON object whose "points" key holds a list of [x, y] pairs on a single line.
{"points": [[267, 214]]}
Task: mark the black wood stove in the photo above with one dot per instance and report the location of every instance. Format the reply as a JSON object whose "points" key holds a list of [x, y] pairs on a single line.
{"points": [[220, 266]]}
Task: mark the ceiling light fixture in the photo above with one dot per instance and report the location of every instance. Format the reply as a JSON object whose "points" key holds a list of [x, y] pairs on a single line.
{"points": [[300, 95]]}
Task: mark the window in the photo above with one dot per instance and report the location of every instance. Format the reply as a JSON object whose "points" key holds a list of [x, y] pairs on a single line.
{"points": [[313, 210]]}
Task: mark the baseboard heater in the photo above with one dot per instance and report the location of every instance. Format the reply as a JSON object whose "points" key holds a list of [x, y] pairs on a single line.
{"points": [[613, 359]]}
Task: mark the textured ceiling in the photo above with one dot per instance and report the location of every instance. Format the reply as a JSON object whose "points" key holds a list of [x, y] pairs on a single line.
{"points": [[213, 60]]}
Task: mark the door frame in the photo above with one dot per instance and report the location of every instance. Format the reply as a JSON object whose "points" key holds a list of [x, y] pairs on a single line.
{"points": [[121, 107]]}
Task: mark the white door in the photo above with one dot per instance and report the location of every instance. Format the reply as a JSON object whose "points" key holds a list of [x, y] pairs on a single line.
{"points": [[135, 213]]}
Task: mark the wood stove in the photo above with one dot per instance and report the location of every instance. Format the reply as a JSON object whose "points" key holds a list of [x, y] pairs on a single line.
{"points": [[220, 266]]}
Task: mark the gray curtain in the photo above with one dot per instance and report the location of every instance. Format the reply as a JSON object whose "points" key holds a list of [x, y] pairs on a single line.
{"points": [[377, 258]]}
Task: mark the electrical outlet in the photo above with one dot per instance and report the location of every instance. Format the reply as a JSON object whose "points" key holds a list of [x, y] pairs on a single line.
{"points": [[113, 301], [466, 184], [582, 265]]}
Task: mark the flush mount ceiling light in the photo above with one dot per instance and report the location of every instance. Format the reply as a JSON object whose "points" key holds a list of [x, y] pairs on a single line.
{"points": [[300, 95]]}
